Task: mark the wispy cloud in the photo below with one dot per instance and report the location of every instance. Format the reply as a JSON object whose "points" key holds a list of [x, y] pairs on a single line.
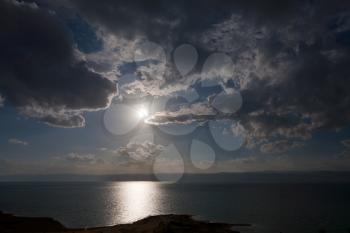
{"points": [[17, 141], [81, 158], [197, 112], [2, 100], [280, 146]]}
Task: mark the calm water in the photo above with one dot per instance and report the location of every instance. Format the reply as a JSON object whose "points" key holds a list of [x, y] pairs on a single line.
{"points": [[269, 207]]}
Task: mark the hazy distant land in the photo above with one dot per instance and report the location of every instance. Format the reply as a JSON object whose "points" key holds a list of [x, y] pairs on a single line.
{"points": [[234, 177]]}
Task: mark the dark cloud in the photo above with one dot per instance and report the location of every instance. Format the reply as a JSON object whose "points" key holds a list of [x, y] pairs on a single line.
{"points": [[291, 60], [158, 20], [292, 64], [164, 20], [40, 73], [346, 142], [2, 100]]}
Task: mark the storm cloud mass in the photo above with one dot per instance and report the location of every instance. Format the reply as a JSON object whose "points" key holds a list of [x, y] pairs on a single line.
{"points": [[289, 61], [40, 73]]}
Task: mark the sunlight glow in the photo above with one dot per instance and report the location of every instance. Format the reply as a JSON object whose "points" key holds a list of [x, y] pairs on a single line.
{"points": [[142, 112]]}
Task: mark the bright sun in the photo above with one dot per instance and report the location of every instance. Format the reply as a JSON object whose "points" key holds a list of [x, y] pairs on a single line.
{"points": [[142, 112]]}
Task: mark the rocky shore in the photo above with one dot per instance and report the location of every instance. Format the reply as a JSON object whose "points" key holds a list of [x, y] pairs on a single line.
{"points": [[153, 224]]}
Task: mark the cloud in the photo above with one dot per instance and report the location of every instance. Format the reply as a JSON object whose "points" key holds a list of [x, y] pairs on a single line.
{"points": [[263, 126], [155, 20], [292, 73], [139, 152], [16, 141], [346, 142], [344, 154], [116, 52], [291, 83], [40, 72], [83, 159], [280, 146], [2, 101], [177, 21], [196, 112], [290, 61], [271, 162]]}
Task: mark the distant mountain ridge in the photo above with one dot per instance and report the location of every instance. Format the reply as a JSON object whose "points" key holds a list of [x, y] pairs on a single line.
{"points": [[244, 177]]}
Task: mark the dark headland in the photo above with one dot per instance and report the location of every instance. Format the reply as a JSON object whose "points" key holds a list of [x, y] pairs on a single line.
{"points": [[153, 224]]}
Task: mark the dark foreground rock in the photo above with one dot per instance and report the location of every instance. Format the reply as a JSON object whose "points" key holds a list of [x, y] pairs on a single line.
{"points": [[153, 224], [10, 223]]}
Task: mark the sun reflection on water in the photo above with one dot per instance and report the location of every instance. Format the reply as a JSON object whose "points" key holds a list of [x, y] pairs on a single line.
{"points": [[137, 200]]}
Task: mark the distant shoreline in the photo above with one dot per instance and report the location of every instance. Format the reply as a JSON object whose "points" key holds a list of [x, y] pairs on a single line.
{"points": [[153, 224], [229, 177]]}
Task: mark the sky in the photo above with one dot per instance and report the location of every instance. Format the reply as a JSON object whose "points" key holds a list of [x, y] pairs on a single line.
{"points": [[115, 87]]}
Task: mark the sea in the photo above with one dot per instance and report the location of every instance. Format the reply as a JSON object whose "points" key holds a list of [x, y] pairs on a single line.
{"points": [[268, 207]]}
